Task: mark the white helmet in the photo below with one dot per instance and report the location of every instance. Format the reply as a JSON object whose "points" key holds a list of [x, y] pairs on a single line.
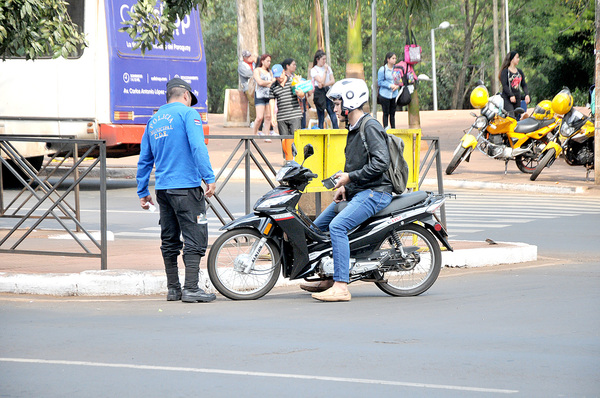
{"points": [[353, 93]]}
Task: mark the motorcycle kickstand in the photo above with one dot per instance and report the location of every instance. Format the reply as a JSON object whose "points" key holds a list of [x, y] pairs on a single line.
{"points": [[506, 167]]}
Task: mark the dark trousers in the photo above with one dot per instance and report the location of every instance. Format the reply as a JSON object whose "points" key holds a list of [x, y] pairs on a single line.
{"points": [[388, 106], [182, 213], [332, 116]]}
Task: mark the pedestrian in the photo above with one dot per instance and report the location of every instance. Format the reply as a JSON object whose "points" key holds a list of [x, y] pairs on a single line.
{"points": [[174, 141], [322, 77], [245, 72], [388, 91], [289, 116], [289, 67], [264, 79], [513, 84], [363, 184]]}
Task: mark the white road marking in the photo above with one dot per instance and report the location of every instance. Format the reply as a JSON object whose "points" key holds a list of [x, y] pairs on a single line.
{"points": [[260, 374]]}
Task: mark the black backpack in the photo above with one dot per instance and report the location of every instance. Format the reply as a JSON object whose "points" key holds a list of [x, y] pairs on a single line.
{"points": [[398, 171]]}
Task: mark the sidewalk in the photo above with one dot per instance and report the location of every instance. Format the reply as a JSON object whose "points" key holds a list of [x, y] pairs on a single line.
{"points": [[135, 266]]}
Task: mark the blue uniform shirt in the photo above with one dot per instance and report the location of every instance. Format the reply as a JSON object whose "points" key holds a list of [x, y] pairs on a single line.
{"points": [[174, 141]]}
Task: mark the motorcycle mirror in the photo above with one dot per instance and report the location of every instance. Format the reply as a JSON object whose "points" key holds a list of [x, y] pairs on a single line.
{"points": [[294, 150], [308, 151]]}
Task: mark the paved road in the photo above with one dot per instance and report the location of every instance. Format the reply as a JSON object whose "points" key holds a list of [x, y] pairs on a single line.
{"points": [[528, 330]]}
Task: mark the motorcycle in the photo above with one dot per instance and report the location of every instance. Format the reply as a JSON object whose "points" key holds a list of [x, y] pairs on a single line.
{"points": [[574, 140], [501, 137], [396, 248]]}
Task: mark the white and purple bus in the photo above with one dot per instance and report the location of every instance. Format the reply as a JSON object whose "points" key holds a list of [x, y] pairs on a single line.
{"points": [[108, 90]]}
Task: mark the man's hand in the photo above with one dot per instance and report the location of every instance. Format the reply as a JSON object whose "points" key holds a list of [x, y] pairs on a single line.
{"points": [[210, 190], [527, 99], [146, 201], [343, 179], [340, 195]]}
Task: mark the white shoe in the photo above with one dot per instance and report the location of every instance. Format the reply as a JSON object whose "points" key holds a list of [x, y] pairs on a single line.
{"points": [[251, 125]]}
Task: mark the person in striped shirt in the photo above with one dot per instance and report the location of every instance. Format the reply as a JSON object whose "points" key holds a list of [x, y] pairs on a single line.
{"points": [[289, 115]]}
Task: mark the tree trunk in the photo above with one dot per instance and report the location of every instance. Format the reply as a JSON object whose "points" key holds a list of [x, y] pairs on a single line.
{"points": [[354, 67], [247, 27], [495, 81]]}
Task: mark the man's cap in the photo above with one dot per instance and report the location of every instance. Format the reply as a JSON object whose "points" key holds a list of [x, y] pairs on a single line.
{"points": [[246, 54], [277, 70], [177, 82]]}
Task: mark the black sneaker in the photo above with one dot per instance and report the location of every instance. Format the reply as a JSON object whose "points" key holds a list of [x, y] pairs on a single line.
{"points": [[197, 296], [174, 294]]}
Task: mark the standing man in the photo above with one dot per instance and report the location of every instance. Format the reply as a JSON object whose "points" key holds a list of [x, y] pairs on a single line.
{"points": [[289, 116], [245, 71], [174, 141]]}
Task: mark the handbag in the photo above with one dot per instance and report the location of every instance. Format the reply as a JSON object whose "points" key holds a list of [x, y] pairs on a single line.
{"points": [[403, 97], [412, 51]]}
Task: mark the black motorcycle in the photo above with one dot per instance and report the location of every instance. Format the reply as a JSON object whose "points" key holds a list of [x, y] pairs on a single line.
{"points": [[396, 248]]}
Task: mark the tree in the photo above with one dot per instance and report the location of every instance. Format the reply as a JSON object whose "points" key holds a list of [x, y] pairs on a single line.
{"points": [[35, 28], [148, 28], [354, 67]]}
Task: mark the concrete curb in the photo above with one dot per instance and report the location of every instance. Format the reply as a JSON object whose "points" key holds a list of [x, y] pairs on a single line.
{"points": [[141, 283]]}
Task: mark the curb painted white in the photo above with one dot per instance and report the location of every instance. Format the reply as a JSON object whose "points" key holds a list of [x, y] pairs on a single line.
{"points": [[140, 283]]}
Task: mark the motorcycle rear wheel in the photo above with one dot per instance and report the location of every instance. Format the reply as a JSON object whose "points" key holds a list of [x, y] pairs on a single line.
{"points": [[460, 154], [550, 155], [224, 269], [417, 273], [526, 164]]}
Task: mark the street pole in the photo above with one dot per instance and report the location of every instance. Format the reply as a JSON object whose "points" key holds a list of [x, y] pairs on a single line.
{"points": [[597, 80], [326, 17], [262, 27], [374, 57], [507, 29], [435, 104]]}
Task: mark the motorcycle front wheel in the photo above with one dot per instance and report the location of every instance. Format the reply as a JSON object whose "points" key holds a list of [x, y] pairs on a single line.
{"points": [[526, 164], [460, 154], [232, 271], [419, 269], [550, 155]]}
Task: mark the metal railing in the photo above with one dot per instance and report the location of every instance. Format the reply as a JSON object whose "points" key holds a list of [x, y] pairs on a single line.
{"points": [[252, 153], [39, 195]]}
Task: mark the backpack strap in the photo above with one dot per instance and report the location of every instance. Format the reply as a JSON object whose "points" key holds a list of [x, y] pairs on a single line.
{"points": [[361, 130]]}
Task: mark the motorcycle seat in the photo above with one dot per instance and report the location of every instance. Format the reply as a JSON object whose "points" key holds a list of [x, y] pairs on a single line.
{"points": [[530, 125], [403, 201], [398, 203]]}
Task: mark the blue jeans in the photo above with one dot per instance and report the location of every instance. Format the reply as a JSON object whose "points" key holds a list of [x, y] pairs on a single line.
{"points": [[362, 206], [332, 116]]}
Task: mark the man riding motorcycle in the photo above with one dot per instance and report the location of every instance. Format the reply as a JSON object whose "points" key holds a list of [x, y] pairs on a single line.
{"points": [[363, 184]]}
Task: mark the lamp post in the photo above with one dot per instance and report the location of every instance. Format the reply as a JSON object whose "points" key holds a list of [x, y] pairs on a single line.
{"points": [[443, 25]]}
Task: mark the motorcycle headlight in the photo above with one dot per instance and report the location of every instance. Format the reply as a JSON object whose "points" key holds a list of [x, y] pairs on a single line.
{"points": [[273, 202], [480, 122], [567, 131]]}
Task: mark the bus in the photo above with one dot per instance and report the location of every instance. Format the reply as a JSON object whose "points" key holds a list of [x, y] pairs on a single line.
{"points": [[107, 90]]}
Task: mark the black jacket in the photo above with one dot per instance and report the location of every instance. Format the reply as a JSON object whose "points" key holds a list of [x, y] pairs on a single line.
{"points": [[366, 171]]}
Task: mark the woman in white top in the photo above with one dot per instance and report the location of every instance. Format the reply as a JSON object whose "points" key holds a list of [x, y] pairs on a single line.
{"points": [[322, 79], [264, 79]]}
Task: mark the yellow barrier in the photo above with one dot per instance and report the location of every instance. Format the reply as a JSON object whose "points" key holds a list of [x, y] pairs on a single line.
{"points": [[329, 155]]}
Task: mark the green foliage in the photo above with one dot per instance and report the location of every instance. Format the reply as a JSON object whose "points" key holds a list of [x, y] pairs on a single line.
{"points": [[36, 28], [149, 28], [555, 43]]}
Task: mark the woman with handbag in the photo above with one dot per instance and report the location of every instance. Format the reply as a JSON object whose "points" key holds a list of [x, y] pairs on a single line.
{"points": [[388, 91], [322, 79]]}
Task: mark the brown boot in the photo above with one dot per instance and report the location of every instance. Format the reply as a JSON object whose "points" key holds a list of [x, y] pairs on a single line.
{"points": [[316, 287]]}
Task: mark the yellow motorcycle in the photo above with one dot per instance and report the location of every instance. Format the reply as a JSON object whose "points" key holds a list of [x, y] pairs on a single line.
{"points": [[574, 139], [501, 137]]}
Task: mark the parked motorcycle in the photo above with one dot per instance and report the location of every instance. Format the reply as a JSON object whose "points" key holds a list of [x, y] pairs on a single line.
{"points": [[574, 139], [501, 137], [402, 257]]}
